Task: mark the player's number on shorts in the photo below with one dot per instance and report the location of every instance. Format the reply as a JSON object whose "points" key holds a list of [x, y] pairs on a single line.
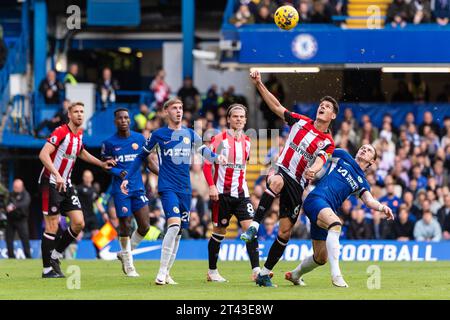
{"points": [[185, 216], [144, 199], [250, 208], [76, 201]]}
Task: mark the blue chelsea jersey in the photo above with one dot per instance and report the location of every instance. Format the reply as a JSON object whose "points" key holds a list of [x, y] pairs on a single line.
{"points": [[343, 178], [124, 151], [175, 150]]}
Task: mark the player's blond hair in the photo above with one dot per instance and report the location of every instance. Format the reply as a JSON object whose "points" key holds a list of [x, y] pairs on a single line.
{"points": [[172, 101], [75, 104]]}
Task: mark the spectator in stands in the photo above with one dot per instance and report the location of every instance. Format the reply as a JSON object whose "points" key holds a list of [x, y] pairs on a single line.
{"points": [[444, 96], [445, 130], [412, 135], [277, 89], [427, 228], [198, 179], [269, 228], [51, 89], [143, 117], [440, 174], [58, 119], [443, 217], [304, 12], [107, 88], [359, 228], [423, 11], [346, 138], [160, 88], [368, 132], [264, 15], [196, 228], [403, 227], [402, 94], [189, 95], [242, 16], [441, 11], [321, 12], [18, 210], [428, 121], [381, 228], [400, 13], [71, 76], [198, 205], [434, 203]]}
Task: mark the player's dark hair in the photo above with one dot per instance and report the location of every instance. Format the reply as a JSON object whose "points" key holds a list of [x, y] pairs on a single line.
{"points": [[76, 104], [170, 102], [236, 106], [119, 110]]}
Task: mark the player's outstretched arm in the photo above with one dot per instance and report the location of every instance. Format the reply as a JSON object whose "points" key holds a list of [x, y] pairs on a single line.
{"points": [[86, 156], [310, 173], [268, 97], [46, 160], [371, 203]]}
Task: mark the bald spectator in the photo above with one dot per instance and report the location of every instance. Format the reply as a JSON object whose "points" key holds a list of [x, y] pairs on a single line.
{"points": [[18, 209], [71, 76], [51, 89]]}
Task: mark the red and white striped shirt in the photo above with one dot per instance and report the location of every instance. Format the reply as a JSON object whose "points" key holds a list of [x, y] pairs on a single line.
{"points": [[68, 147], [304, 144], [230, 179]]}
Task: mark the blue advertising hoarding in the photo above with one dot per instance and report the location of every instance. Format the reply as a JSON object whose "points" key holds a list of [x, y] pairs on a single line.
{"points": [[328, 44], [234, 250]]}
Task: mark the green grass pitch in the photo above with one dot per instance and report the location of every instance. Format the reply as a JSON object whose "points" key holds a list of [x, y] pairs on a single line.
{"points": [[20, 279]]}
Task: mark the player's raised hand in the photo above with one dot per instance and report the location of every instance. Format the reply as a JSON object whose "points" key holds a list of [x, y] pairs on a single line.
{"points": [[108, 164], [60, 184], [255, 76], [213, 193], [124, 187], [388, 212]]}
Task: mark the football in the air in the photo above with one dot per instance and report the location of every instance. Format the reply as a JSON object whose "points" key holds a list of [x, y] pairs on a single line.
{"points": [[286, 17]]}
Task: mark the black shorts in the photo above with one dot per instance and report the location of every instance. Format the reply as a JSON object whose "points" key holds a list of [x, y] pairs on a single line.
{"points": [[226, 206], [90, 223], [290, 197], [54, 202]]}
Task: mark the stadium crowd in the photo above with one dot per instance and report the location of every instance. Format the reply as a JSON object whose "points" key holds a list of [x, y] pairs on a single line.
{"points": [[399, 12]]}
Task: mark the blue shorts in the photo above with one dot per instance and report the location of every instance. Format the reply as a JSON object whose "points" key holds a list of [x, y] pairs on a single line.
{"points": [[177, 205], [126, 205], [312, 206]]}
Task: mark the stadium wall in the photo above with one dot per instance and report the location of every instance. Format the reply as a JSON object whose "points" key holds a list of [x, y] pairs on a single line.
{"points": [[232, 250]]}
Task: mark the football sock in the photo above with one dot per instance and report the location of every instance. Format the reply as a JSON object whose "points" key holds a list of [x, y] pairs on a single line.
{"points": [[213, 249], [264, 271], [125, 246], [307, 265], [264, 205], [47, 246], [275, 252], [136, 238], [167, 247], [174, 252], [67, 237], [253, 253], [333, 252]]}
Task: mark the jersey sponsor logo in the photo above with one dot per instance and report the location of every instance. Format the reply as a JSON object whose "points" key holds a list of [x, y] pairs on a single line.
{"points": [[69, 156], [348, 177], [301, 150], [235, 166], [125, 157], [135, 146], [177, 152]]}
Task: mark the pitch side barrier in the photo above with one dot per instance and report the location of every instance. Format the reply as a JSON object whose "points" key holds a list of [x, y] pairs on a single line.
{"points": [[235, 250]]}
